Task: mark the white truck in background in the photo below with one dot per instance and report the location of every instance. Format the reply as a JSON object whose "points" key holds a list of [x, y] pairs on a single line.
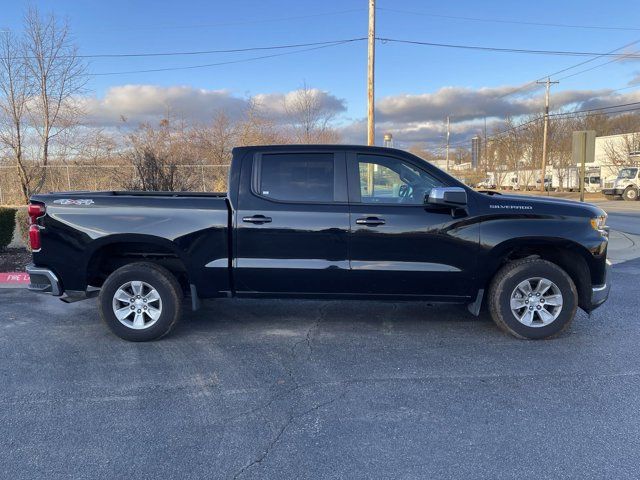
{"points": [[568, 179], [625, 186]]}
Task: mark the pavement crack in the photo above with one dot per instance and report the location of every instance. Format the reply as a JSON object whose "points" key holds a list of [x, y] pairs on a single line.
{"points": [[281, 431], [266, 451], [308, 337]]}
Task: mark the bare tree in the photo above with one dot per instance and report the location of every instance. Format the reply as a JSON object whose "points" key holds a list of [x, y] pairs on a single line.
{"points": [[559, 147], [15, 89], [621, 150], [158, 160], [214, 141], [40, 75], [505, 150], [256, 129], [310, 118], [57, 74]]}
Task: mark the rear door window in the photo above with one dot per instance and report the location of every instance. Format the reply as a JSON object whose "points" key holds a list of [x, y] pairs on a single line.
{"points": [[296, 177]]}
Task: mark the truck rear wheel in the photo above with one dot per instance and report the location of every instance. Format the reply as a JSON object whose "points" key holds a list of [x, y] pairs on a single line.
{"points": [[630, 194], [140, 302], [532, 299]]}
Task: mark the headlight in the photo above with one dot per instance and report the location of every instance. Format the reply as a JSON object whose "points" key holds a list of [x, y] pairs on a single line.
{"points": [[599, 223]]}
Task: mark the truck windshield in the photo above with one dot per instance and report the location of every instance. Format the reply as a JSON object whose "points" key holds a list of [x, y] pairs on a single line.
{"points": [[628, 173]]}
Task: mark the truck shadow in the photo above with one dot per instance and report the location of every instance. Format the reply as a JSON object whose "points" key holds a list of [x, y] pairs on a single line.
{"points": [[296, 317]]}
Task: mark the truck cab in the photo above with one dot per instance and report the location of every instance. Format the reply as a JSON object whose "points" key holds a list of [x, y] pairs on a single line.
{"points": [[626, 185]]}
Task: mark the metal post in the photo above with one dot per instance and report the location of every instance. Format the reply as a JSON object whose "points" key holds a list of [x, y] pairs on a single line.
{"points": [[68, 179], [370, 73], [204, 188]]}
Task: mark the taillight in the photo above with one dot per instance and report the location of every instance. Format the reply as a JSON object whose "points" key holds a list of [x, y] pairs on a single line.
{"points": [[35, 211], [34, 237]]}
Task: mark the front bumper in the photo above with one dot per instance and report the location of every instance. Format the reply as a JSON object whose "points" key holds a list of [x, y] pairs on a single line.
{"points": [[43, 280], [600, 293], [612, 191]]}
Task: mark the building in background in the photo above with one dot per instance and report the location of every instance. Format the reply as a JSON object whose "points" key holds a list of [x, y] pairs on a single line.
{"points": [[475, 151]]}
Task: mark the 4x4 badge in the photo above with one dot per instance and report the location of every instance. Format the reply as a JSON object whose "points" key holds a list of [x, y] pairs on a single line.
{"points": [[73, 201]]}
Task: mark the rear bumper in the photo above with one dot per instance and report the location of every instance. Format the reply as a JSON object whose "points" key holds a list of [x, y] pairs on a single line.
{"points": [[600, 293], [43, 280]]}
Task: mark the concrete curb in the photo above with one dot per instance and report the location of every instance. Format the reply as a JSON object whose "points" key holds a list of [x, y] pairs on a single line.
{"points": [[623, 247]]}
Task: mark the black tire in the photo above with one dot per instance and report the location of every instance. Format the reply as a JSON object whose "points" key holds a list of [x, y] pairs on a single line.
{"points": [[509, 277], [167, 288], [630, 194]]}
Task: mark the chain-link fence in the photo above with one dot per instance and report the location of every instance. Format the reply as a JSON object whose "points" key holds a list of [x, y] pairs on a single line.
{"points": [[203, 178]]}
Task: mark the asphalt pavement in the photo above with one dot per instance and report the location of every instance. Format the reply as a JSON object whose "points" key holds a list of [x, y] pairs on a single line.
{"points": [[319, 390], [623, 216]]}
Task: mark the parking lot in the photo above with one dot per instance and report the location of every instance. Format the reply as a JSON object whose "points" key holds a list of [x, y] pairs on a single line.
{"points": [[306, 389]]}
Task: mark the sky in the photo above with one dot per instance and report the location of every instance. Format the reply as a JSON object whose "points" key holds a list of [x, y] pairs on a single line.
{"points": [[417, 86]]}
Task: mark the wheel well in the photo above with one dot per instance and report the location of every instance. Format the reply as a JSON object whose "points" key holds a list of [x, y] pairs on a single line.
{"points": [[566, 258], [109, 258]]}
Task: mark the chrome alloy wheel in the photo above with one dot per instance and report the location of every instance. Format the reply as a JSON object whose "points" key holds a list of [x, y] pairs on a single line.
{"points": [[536, 302], [137, 305]]}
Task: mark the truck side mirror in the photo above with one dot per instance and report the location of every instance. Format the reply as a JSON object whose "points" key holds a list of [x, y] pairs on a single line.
{"points": [[448, 196]]}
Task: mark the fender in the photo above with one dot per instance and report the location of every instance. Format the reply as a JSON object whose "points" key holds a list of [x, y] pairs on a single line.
{"points": [[93, 248], [500, 239]]}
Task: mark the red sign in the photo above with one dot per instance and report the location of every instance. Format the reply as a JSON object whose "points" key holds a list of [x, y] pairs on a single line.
{"points": [[15, 278]]}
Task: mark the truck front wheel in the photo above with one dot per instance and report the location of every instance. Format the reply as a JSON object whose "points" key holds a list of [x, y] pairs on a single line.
{"points": [[532, 298], [140, 302], [630, 194]]}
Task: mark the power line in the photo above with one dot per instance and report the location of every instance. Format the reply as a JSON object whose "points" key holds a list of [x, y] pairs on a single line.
{"points": [[634, 106], [526, 85], [510, 50], [594, 109], [229, 62], [595, 66], [534, 82], [383, 40], [206, 52], [515, 22], [624, 88]]}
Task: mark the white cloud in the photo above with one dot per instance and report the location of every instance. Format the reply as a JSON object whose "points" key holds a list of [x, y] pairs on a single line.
{"points": [[143, 103], [464, 103], [410, 117], [275, 104], [421, 117], [148, 103]]}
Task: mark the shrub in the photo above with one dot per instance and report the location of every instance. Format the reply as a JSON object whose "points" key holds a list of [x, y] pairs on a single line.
{"points": [[22, 222], [7, 225]]}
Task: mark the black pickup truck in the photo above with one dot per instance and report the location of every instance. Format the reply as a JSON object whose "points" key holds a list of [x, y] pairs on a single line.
{"points": [[322, 222]]}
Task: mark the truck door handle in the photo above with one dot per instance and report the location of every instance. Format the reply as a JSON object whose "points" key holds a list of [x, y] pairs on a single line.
{"points": [[370, 221], [259, 219]]}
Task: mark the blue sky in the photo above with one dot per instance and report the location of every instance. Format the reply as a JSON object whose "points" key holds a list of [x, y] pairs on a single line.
{"points": [[119, 26]]}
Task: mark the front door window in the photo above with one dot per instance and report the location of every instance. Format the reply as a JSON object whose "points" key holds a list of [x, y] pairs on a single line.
{"points": [[387, 180]]}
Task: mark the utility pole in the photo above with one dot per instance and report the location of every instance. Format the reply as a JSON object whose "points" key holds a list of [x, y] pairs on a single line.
{"points": [[371, 54], [543, 175], [448, 133]]}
